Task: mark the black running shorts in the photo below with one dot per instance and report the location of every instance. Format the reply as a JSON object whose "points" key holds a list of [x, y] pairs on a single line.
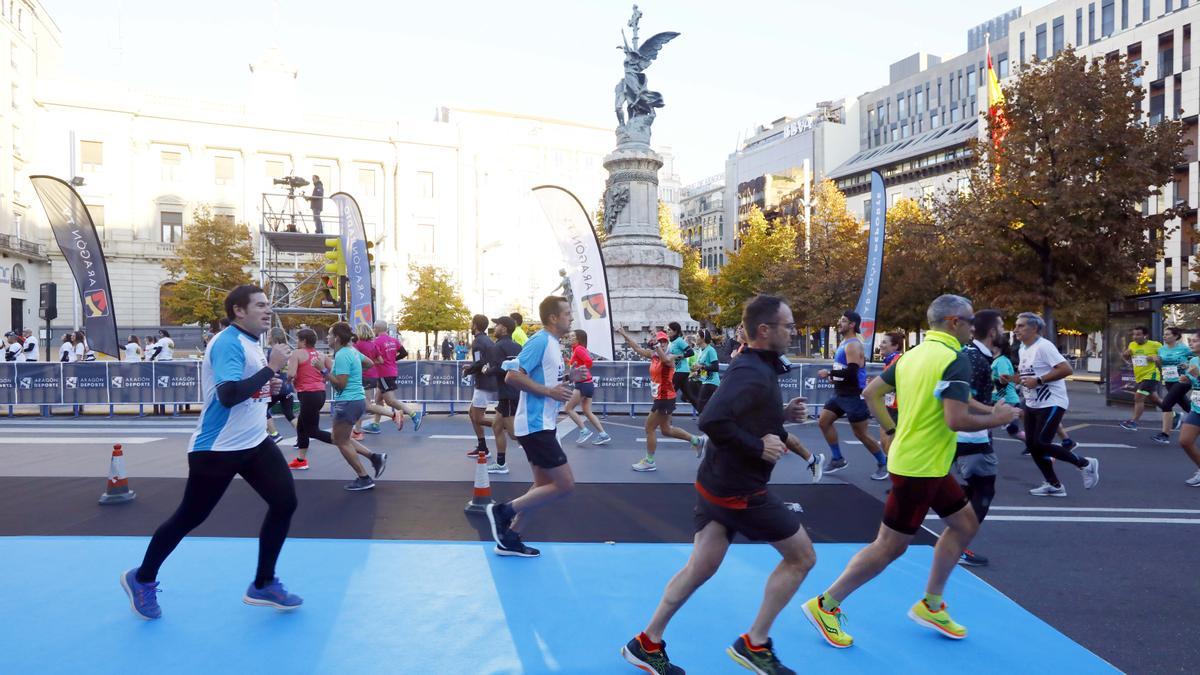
{"points": [[663, 405], [765, 518], [389, 383], [506, 407], [542, 449]]}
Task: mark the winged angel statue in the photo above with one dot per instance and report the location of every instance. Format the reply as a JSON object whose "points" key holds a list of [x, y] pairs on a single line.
{"points": [[635, 103]]}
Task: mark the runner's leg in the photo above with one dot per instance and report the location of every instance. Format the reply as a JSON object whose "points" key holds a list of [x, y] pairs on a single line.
{"points": [[587, 412], [961, 527], [341, 438], [209, 475], [798, 559], [267, 472], [569, 408], [708, 550]]}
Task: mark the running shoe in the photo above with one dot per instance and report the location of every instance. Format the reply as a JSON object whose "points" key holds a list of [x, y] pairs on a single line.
{"points": [[298, 464], [1012, 429], [417, 418], [836, 465], [515, 548], [1194, 481], [379, 463], [881, 472], [371, 428], [143, 598], [398, 420], [296, 445], [499, 516], [699, 444], [970, 558], [356, 435], [497, 468], [1177, 422], [1069, 444], [645, 464], [815, 467], [272, 595], [650, 660], [1048, 490], [828, 623], [761, 660], [1129, 425], [1091, 473], [584, 434], [1160, 437], [476, 452], [275, 437], [938, 620], [359, 484], [602, 439]]}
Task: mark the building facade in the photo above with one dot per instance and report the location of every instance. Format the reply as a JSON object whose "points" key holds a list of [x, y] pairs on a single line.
{"points": [[702, 220]]}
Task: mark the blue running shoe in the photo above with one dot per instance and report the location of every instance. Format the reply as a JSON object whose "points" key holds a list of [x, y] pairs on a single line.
{"points": [[143, 598], [272, 595], [416, 418], [371, 428], [1129, 425]]}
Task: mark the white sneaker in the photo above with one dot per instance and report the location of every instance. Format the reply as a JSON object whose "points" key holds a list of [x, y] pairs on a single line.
{"points": [[1048, 490], [699, 444], [817, 467], [645, 464], [1194, 481], [497, 468], [1091, 473], [584, 434]]}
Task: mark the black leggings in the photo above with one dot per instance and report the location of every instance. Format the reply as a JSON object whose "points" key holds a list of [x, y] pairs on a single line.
{"points": [[1177, 395], [309, 423], [209, 474], [706, 392], [285, 406], [981, 490], [1040, 426], [683, 388]]}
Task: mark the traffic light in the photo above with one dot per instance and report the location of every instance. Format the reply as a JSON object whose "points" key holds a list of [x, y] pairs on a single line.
{"points": [[370, 256], [335, 258], [329, 291]]}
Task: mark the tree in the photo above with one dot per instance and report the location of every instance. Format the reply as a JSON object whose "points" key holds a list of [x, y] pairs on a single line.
{"points": [[694, 281], [435, 304], [764, 247], [212, 260], [918, 265], [1053, 217]]}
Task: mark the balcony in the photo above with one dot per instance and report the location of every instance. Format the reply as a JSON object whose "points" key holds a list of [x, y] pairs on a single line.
{"points": [[10, 243]]}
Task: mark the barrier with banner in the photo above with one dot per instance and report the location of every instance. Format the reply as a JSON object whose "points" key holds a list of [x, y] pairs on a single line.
{"points": [[618, 383]]}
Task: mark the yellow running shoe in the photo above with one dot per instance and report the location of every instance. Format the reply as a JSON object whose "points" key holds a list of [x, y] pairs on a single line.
{"points": [[828, 623], [939, 621]]}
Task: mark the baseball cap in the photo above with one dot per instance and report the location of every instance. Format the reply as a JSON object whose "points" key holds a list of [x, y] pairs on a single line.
{"points": [[662, 337], [506, 322]]}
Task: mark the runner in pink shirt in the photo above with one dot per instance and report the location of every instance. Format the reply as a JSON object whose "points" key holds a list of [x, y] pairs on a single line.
{"points": [[389, 353], [370, 381]]}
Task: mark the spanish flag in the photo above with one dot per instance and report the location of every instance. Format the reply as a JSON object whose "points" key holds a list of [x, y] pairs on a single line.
{"points": [[997, 124]]}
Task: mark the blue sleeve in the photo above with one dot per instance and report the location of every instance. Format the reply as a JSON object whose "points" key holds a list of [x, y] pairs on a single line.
{"points": [[228, 360], [530, 358]]}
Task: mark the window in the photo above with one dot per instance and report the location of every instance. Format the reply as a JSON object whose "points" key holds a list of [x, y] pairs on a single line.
{"points": [[972, 85], [1040, 42], [325, 173], [934, 120], [954, 114], [366, 182], [1002, 67], [1145, 11], [887, 111], [1177, 109], [1157, 101], [939, 98], [172, 226], [921, 101], [866, 210], [223, 170], [901, 107], [223, 217], [1022, 55], [171, 161], [1187, 48], [1124, 14], [425, 240], [425, 185], [1056, 36], [97, 212], [960, 85], [870, 118], [1091, 22], [273, 168], [1078, 26], [1106, 18], [91, 153]]}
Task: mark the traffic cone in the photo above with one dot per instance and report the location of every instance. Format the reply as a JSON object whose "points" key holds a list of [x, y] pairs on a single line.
{"points": [[117, 491], [483, 487]]}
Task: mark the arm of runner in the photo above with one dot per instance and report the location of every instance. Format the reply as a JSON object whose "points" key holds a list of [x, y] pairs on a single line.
{"points": [[874, 394], [638, 349], [721, 416], [518, 379], [228, 361], [855, 355]]}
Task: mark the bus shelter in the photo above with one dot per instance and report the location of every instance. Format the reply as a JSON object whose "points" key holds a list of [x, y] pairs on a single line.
{"points": [[1152, 310]]}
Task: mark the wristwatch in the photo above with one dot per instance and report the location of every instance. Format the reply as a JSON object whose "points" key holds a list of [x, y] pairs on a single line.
{"points": [[1040, 382], [890, 432]]}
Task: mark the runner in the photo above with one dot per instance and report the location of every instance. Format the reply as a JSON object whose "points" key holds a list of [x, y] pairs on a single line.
{"points": [[349, 404], [283, 398], [745, 421], [304, 367], [662, 390], [1191, 425], [890, 349], [1172, 358], [518, 335], [1142, 353], [391, 351], [1003, 376], [585, 388], [485, 367], [1042, 371], [506, 407], [708, 367], [538, 375], [975, 458], [230, 440], [931, 380], [680, 352], [849, 376]]}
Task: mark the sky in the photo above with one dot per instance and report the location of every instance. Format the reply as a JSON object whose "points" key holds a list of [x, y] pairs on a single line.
{"points": [[734, 66]]}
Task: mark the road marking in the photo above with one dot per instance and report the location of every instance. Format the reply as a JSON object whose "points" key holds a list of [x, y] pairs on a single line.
{"points": [[663, 440], [459, 437], [1076, 427], [1013, 440], [1088, 509], [110, 429], [77, 440], [1093, 519]]}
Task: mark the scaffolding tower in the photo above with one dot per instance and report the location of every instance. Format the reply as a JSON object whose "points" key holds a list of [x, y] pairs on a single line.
{"points": [[291, 260]]}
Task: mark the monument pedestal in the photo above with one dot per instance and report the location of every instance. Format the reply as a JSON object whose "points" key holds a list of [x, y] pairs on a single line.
{"points": [[643, 274]]}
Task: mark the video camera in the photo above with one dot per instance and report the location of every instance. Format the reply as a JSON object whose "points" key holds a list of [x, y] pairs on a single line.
{"points": [[292, 182]]}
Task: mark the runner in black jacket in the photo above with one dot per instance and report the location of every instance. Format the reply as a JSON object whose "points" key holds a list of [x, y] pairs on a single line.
{"points": [[744, 421]]}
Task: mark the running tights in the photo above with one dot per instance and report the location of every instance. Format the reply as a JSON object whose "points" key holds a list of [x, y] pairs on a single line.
{"points": [[981, 490], [1177, 395], [309, 423], [706, 392], [209, 474], [683, 387], [1040, 427]]}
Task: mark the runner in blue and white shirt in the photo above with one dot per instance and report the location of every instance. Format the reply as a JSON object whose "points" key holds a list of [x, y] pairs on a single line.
{"points": [[231, 440], [538, 373]]}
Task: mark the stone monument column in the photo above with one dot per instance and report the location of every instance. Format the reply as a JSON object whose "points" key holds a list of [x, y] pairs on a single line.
{"points": [[643, 274]]}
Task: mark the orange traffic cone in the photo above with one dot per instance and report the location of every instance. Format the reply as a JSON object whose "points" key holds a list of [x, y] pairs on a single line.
{"points": [[117, 489], [483, 487]]}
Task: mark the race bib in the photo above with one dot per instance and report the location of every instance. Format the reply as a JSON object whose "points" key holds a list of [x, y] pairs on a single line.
{"points": [[654, 390], [1139, 360], [1170, 372], [889, 399], [1195, 396]]}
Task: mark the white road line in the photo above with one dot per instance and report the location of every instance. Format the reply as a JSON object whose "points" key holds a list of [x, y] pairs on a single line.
{"points": [[664, 440], [1013, 440], [76, 440], [1082, 509], [459, 437], [1093, 519], [110, 430]]}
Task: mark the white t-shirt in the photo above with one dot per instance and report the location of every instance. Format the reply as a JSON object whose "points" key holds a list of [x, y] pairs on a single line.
{"points": [[1037, 360], [133, 352], [542, 361], [66, 353], [84, 353], [31, 349], [231, 356], [13, 353], [166, 347]]}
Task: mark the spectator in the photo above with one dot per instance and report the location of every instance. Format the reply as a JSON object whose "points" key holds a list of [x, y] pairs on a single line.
{"points": [[447, 348], [12, 348], [29, 344], [66, 353], [133, 350], [460, 350], [163, 349], [83, 351], [317, 202]]}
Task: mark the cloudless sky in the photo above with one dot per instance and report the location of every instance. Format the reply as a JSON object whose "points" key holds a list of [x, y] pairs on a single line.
{"points": [[736, 64]]}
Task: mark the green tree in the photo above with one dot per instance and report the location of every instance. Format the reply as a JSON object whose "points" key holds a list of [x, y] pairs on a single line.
{"points": [[694, 280], [918, 265], [435, 304], [1053, 217], [211, 261], [764, 249]]}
